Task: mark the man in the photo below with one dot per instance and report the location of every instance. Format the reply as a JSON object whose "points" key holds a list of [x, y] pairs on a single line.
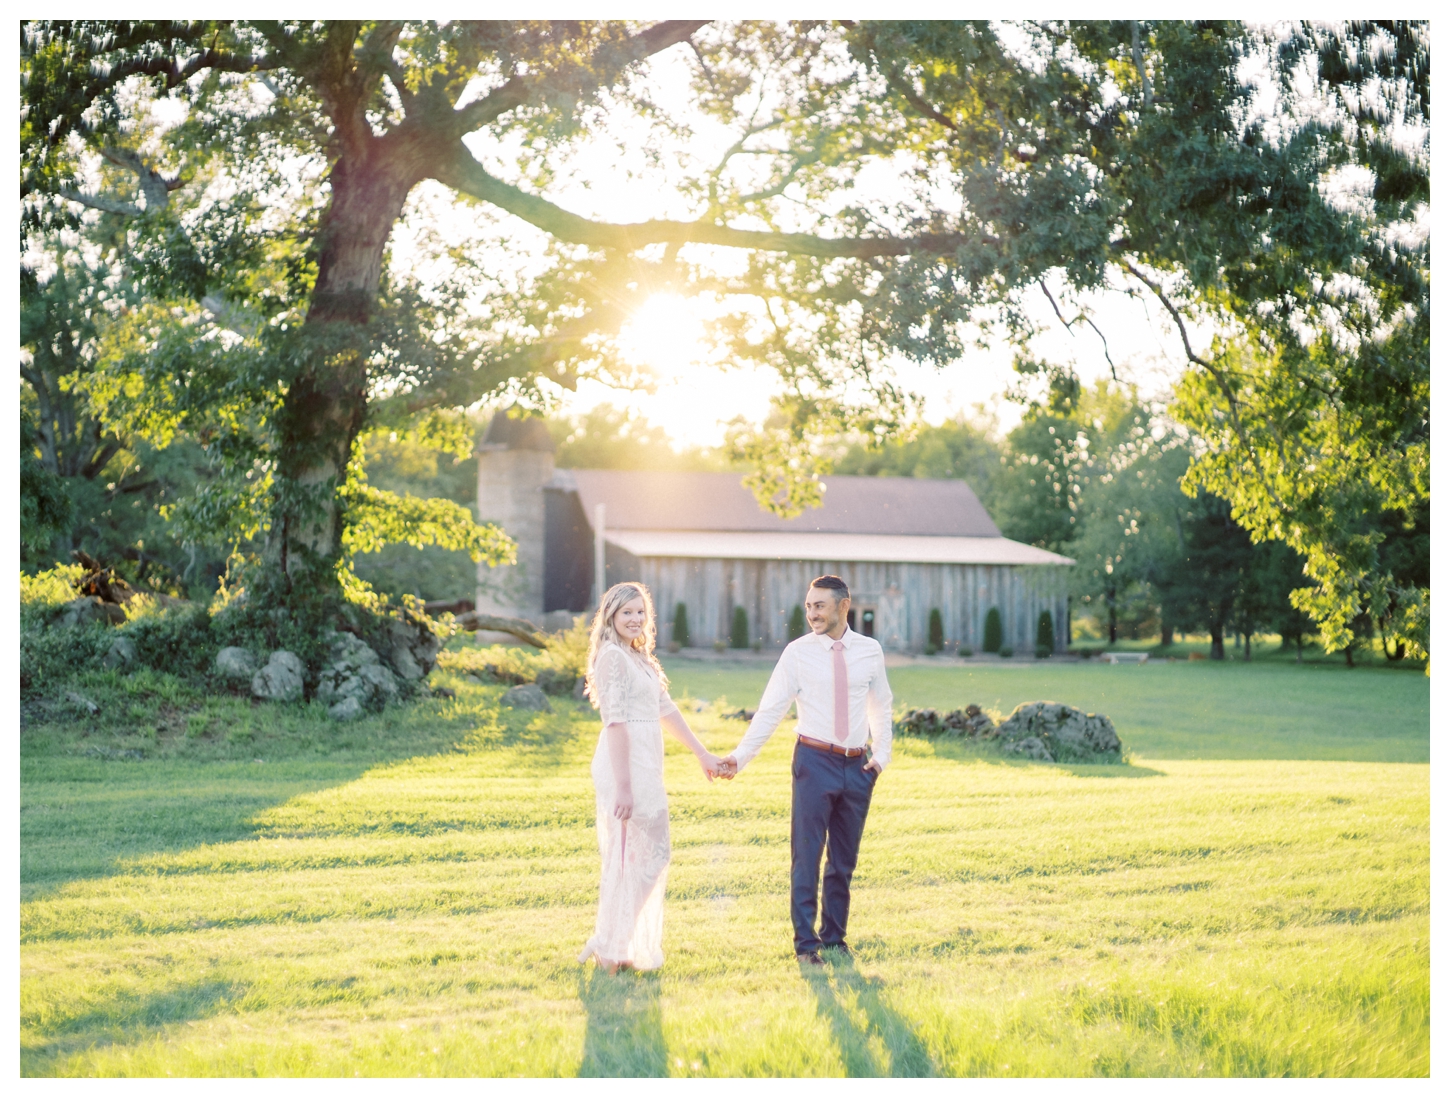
{"points": [[837, 678]]}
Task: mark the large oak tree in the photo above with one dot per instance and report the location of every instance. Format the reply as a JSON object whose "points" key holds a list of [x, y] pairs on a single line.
{"points": [[1272, 185]]}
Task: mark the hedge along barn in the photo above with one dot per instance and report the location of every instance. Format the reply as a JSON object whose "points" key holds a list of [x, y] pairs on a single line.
{"points": [[905, 546]]}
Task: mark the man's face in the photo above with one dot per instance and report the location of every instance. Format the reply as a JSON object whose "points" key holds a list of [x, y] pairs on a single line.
{"points": [[824, 612]]}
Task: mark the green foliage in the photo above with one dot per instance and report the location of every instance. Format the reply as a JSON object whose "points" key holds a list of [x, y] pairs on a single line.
{"points": [[45, 506], [935, 640], [43, 593], [680, 630], [1006, 652], [992, 631], [796, 625], [606, 437], [962, 449], [739, 629], [1045, 636]]}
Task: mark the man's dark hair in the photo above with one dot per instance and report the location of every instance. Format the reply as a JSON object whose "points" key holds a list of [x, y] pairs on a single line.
{"points": [[835, 584]]}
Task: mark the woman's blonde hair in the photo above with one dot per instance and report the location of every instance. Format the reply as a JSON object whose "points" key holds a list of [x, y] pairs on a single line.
{"points": [[602, 632]]}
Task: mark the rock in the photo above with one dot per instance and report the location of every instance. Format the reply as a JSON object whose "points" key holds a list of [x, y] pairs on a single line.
{"points": [[88, 611], [920, 722], [354, 680], [349, 709], [1032, 747], [281, 679], [80, 701], [412, 649], [581, 683], [120, 655], [527, 696], [1067, 733], [443, 692], [237, 664]]}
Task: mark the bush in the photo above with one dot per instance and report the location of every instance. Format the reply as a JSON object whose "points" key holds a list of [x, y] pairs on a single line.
{"points": [[43, 594], [50, 656], [964, 651], [739, 629], [1045, 639], [934, 640], [1005, 652], [992, 631], [1042, 651], [796, 627], [680, 633], [179, 641]]}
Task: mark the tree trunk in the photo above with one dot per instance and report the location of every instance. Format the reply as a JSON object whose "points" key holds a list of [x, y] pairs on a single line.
{"points": [[1215, 632], [1299, 641], [1248, 646], [1349, 655], [326, 405], [1112, 615], [1165, 635]]}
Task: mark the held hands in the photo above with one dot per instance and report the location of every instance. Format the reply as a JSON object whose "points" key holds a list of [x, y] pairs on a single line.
{"points": [[716, 767]]}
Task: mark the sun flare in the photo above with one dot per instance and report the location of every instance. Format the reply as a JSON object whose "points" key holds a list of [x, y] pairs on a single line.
{"points": [[666, 334]]}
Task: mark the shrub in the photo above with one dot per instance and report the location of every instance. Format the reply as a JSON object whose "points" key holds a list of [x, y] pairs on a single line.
{"points": [[680, 633], [1045, 638], [992, 631], [1005, 652], [739, 629], [43, 594], [50, 656], [1042, 651], [934, 640], [964, 651], [796, 627], [179, 641]]}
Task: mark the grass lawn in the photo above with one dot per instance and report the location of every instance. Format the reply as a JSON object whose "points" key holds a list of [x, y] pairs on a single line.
{"points": [[265, 893]]}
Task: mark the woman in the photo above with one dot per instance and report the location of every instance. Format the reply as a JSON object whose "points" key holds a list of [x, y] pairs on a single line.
{"points": [[628, 687]]}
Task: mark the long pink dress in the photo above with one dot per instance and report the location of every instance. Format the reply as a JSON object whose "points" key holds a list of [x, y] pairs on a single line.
{"points": [[635, 853]]}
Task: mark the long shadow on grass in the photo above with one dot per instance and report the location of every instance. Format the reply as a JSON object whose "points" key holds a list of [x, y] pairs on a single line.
{"points": [[127, 1019], [83, 818], [852, 1005], [624, 1035]]}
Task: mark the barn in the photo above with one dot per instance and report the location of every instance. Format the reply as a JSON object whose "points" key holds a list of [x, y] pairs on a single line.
{"points": [[905, 546]]}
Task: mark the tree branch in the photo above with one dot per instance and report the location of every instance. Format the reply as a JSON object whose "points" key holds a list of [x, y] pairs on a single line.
{"points": [[517, 90], [1112, 369], [97, 202], [466, 175], [1142, 70]]}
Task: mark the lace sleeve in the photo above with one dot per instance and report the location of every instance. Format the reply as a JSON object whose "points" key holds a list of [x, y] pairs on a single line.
{"points": [[667, 703], [611, 685]]}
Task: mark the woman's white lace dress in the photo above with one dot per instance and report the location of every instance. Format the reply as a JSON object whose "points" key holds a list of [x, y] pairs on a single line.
{"points": [[634, 853]]}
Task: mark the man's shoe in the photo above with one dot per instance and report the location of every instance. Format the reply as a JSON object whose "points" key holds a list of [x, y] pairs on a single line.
{"points": [[809, 958], [841, 950]]}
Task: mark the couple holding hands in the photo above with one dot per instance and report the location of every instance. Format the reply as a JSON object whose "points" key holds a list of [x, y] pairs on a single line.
{"points": [[837, 680]]}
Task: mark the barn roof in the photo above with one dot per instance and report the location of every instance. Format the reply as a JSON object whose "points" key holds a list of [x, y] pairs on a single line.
{"points": [[718, 502], [829, 548]]}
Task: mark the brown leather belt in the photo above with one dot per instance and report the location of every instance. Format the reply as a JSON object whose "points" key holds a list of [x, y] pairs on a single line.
{"points": [[833, 748]]}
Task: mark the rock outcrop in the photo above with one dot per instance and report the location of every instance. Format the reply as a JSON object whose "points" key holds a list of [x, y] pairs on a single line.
{"points": [[282, 678], [527, 696], [90, 610], [236, 664], [354, 680], [1065, 733], [412, 650], [121, 656]]}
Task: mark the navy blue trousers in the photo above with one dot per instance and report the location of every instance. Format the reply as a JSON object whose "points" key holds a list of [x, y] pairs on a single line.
{"points": [[830, 796]]}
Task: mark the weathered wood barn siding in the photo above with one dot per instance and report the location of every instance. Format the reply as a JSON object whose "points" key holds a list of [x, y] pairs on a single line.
{"points": [[902, 595]]}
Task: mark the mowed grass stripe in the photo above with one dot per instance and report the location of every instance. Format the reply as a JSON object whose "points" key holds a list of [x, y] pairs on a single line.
{"points": [[420, 915]]}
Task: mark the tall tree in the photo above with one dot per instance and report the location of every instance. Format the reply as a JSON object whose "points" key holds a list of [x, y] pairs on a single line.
{"points": [[1031, 158]]}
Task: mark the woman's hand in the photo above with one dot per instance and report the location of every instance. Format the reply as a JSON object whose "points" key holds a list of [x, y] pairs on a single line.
{"points": [[710, 764], [623, 803]]}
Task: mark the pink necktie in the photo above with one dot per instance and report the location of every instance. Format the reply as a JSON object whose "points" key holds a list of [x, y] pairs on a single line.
{"points": [[843, 696]]}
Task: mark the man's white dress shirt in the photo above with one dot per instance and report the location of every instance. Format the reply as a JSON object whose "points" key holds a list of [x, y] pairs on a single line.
{"points": [[805, 675]]}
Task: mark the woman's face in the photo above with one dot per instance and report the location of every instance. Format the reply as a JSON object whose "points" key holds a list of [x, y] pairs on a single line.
{"points": [[629, 619]]}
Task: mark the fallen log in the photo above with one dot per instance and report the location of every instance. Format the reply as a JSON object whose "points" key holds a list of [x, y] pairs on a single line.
{"points": [[472, 621]]}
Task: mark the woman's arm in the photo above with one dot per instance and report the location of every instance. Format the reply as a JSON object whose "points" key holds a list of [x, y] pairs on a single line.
{"points": [[675, 722], [617, 736]]}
